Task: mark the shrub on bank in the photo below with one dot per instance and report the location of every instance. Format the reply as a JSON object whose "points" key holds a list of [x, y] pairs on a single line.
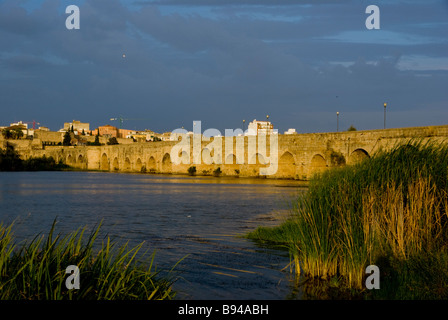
{"points": [[217, 172], [10, 161], [192, 170]]}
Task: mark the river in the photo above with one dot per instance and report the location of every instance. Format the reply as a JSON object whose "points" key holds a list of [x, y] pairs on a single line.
{"points": [[198, 220]]}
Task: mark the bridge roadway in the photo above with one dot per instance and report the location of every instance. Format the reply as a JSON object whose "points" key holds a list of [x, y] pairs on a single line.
{"points": [[298, 157]]}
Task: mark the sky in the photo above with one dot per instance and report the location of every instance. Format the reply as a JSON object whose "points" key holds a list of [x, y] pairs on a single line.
{"points": [[162, 64]]}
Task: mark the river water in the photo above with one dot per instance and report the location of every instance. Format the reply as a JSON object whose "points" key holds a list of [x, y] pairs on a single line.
{"points": [[198, 220]]}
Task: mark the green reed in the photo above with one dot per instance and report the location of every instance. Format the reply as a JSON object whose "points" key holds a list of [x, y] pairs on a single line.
{"points": [[393, 205], [37, 270]]}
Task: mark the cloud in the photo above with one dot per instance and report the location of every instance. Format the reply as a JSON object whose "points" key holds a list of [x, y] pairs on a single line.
{"points": [[221, 64], [237, 2]]}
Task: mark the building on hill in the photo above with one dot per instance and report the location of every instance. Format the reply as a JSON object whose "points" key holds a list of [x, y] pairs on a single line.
{"points": [[124, 133], [257, 127], [17, 128], [77, 126], [48, 137], [107, 131], [142, 136]]}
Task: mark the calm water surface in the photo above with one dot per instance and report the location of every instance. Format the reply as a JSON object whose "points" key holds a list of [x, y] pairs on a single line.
{"points": [[199, 218]]}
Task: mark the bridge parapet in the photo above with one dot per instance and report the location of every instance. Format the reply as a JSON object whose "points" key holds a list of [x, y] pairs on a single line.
{"points": [[299, 155]]}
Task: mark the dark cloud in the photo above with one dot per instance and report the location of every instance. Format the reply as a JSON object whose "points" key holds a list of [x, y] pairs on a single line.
{"points": [[237, 2], [224, 64]]}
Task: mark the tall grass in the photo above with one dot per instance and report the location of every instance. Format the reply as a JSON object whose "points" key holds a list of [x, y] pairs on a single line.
{"points": [[392, 207], [394, 203], [36, 270]]}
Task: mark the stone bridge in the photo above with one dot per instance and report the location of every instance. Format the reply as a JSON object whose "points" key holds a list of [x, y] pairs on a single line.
{"points": [[299, 155]]}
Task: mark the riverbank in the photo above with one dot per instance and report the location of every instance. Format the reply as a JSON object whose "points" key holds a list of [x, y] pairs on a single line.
{"points": [[390, 211], [10, 160]]}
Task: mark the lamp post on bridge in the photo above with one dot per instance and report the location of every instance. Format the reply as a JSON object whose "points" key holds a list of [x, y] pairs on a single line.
{"points": [[337, 121], [267, 125], [385, 104]]}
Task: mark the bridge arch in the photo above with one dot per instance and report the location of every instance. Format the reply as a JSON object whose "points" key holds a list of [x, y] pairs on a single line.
{"points": [[318, 164], [81, 161], [127, 164], [70, 160], [230, 159], [166, 163], [207, 156], [138, 165], [151, 163], [116, 165], [104, 163], [358, 155], [286, 165], [230, 166], [184, 157], [258, 159]]}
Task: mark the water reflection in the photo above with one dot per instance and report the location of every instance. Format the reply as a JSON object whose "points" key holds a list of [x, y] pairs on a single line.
{"points": [[178, 216]]}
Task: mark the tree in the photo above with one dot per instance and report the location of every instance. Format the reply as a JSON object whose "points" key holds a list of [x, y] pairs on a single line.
{"points": [[15, 133], [67, 139], [18, 133], [96, 142], [7, 134], [10, 159], [352, 128], [337, 159], [112, 141]]}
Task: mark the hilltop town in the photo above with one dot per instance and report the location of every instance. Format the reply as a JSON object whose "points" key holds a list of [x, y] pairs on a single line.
{"points": [[290, 155], [77, 133]]}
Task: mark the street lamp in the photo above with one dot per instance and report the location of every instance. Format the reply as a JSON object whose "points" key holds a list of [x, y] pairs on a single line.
{"points": [[244, 121], [337, 120], [267, 125], [385, 104]]}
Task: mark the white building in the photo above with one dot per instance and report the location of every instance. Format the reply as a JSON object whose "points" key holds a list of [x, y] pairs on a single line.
{"points": [[19, 124], [77, 126], [22, 126], [291, 131], [260, 127]]}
